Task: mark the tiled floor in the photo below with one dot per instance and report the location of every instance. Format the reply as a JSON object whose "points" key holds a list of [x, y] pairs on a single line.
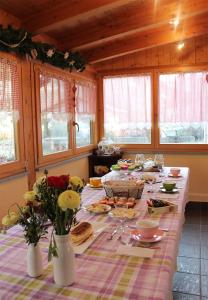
{"points": [[191, 280]]}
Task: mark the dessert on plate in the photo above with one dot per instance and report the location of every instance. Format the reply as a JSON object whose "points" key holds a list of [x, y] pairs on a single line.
{"points": [[81, 232]]}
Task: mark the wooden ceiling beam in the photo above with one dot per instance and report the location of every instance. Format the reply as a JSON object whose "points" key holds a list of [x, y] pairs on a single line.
{"points": [[66, 12], [132, 18], [191, 27]]}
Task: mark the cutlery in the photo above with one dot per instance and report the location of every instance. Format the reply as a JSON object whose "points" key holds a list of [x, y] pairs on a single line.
{"points": [[112, 234]]}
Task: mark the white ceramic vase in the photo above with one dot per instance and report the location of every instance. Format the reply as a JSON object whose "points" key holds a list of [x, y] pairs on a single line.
{"points": [[34, 260], [64, 263]]}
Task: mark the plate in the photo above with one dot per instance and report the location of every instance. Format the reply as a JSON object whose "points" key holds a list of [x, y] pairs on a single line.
{"points": [[122, 212], [169, 192], [136, 235], [98, 228], [171, 175], [97, 208], [95, 187]]}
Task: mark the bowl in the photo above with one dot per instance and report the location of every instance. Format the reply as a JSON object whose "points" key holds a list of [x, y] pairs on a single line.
{"points": [[169, 185], [95, 181], [147, 228], [175, 171]]}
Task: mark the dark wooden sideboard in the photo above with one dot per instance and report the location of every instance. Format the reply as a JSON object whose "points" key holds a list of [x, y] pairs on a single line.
{"points": [[99, 165]]}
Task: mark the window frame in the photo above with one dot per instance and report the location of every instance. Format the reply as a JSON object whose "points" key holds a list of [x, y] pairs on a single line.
{"points": [[18, 166], [144, 147], [43, 160], [176, 147], [92, 145], [155, 145]]}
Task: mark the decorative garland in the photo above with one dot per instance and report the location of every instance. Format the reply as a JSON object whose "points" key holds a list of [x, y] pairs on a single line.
{"points": [[20, 42]]}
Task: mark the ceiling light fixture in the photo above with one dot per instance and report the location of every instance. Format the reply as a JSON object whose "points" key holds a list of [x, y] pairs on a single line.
{"points": [[180, 45], [175, 22]]}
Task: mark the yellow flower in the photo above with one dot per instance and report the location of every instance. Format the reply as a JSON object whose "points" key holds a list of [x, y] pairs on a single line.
{"points": [[10, 219], [69, 199], [75, 180], [30, 196]]}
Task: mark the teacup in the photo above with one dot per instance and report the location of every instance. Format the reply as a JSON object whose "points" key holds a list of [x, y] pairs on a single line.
{"points": [[95, 181], [175, 171], [169, 185], [147, 228]]}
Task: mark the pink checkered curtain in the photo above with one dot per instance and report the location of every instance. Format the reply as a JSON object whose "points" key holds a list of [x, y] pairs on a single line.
{"points": [[85, 98], [183, 97], [10, 97], [56, 94], [127, 100]]}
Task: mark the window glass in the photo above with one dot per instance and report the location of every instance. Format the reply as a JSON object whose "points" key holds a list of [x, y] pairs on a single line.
{"points": [[127, 109], [183, 108], [9, 110], [55, 113], [85, 109]]}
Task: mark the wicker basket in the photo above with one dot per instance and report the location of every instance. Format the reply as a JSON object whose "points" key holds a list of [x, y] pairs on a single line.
{"points": [[123, 189]]}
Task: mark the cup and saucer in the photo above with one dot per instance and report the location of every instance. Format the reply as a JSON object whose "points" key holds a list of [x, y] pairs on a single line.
{"points": [[175, 173], [147, 231], [169, 187]]}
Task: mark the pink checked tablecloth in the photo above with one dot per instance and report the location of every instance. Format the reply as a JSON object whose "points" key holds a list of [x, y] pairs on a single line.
{"points": [[100, 272]]}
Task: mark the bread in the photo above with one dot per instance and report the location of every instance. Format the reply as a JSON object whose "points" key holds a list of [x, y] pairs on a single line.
{"points": [[81, 233]]}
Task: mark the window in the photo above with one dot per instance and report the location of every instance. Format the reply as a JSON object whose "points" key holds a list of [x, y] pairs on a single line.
{"points": [[127, 109], [183, 108], [55, 109], [11, 131], [85, 112]]}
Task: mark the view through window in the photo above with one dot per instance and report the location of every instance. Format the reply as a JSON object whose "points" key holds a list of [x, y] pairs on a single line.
{"points": [[9, 110], [127, 109], [183, 108]]}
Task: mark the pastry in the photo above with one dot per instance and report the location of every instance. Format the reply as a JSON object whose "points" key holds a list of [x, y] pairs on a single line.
{"points": [[81, 233]]}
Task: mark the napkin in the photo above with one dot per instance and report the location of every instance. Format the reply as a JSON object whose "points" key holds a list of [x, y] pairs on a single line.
{"points": [[135, 251]]}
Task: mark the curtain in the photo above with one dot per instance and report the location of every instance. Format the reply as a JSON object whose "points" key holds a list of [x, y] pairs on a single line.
{"points": [[127, 103], [9, 87], [183, 97], [85, 98], [56, 94]]}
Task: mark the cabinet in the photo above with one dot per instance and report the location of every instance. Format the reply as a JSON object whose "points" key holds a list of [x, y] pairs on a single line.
{"points": [[99, 165]]}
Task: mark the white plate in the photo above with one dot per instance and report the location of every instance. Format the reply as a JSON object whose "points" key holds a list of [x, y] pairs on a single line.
{"points": [[89, 208], [169, 192], [97, 227], [171, 175]]}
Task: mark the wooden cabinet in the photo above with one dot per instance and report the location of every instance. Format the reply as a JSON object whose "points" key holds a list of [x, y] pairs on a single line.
{"points": [[99, 165]]}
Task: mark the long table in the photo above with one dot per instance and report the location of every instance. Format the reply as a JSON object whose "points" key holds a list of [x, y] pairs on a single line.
{"points": [[101, 274]]}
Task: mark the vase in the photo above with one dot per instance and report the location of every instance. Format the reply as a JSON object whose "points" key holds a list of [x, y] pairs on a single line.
{"points": [[64, 263], [34, 260]]}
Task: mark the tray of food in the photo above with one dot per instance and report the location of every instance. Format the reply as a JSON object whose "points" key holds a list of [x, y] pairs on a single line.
{"points": [[159, 206], [122, 212], [121, 201], [98, 208]]}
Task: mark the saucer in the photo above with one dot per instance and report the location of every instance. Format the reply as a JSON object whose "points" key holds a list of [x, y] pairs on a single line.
{"points": [[136, 235], [95, 187], [169, 192], [174, 176]]}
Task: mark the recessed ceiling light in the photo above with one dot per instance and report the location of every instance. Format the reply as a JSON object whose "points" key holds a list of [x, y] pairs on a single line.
{"points": [[174, 22], [180, 45]]}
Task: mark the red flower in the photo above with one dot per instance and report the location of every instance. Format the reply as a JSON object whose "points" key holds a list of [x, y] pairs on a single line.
{"points": [[59, 182]]}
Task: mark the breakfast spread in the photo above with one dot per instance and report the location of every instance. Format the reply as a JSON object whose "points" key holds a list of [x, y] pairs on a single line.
{"points": [[122, 212], [121, 201], [98, 207], [81, 233]]}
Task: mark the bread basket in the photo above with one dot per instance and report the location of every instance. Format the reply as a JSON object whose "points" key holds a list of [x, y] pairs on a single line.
{"points": [[121, 188]]}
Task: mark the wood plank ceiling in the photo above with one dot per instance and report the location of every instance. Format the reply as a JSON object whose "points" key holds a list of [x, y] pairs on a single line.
{"points": [[103, 29]]}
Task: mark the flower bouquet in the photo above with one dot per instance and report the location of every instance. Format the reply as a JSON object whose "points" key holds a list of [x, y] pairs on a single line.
{"points": [[60, 197]]}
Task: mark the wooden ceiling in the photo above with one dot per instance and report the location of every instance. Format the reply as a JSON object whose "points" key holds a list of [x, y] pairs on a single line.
{"points": [[103, 29]]}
